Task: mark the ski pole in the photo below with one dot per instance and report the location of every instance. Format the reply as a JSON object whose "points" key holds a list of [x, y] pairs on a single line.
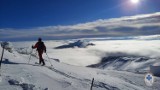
{"points": [[36, 54], [49, 59], [30, 56], [92, 84]]}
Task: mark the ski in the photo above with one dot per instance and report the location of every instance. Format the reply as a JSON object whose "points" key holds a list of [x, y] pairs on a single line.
{"points": [[37, 64]]}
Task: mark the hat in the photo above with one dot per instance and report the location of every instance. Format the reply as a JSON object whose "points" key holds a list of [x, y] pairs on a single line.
{"points": [[39, 39]]}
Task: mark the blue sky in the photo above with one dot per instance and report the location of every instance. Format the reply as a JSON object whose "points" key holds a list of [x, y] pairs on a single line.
{"points": [[35, 13], [27, 15]]}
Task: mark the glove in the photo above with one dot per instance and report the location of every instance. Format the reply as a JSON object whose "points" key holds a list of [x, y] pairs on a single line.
{"points": [[32, 47], [45, 50]]}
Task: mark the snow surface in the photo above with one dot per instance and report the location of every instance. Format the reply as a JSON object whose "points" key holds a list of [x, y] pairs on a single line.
{"points": [[126, 72]]}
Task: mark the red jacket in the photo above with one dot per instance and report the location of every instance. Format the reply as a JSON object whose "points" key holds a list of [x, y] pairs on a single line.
{"points": [[40, 46]]}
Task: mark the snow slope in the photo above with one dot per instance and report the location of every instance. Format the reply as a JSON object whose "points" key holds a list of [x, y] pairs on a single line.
{"points": [[17, 74]]}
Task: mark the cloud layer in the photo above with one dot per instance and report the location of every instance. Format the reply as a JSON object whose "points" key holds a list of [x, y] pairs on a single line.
{"points": [[148, 24]]}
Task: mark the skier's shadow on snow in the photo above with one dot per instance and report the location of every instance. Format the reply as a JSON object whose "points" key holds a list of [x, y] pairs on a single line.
{"points": [[6, 61]]}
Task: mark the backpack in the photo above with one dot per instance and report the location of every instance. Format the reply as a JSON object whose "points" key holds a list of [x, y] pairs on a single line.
{"points": [[40, 46]]}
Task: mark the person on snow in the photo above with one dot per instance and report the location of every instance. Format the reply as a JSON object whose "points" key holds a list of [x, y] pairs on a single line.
{"points": [[40, 48]]}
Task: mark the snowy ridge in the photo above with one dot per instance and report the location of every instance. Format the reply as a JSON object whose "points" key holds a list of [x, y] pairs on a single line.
{"points": [[126, 63], [78, 43], [17, 74]]}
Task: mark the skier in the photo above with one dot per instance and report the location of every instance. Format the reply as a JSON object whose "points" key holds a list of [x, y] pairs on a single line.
{"points": [[40, 48]]}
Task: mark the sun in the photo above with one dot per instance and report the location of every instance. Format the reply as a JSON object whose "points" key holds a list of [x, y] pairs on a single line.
{"points": [[135, 1]]}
